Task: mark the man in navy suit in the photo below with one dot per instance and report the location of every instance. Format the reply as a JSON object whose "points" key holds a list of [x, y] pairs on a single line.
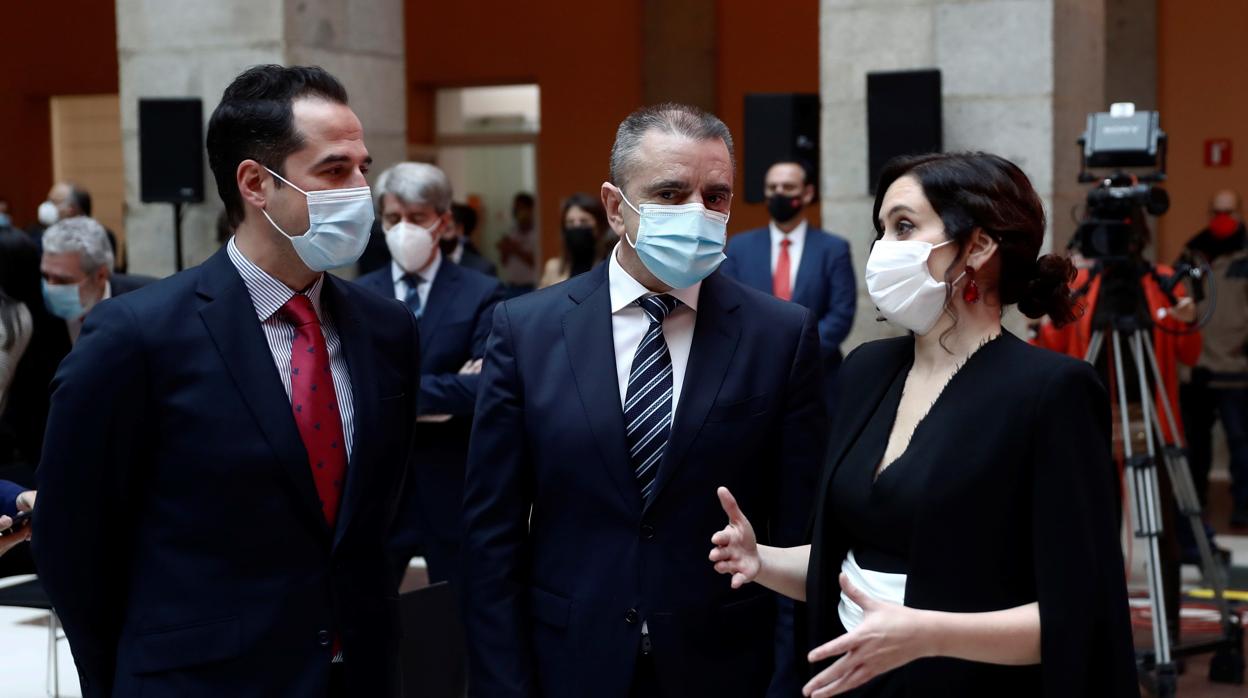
{"points": [[226, 447], [611, 406], [452, 306], [795, 261]]}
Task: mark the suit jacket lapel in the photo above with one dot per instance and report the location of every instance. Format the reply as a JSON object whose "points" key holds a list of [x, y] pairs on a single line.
{"points": [[441, 294], [808, 265], [759, 260], [715, 336], [230, 317], [357, 348], [591, 350]]}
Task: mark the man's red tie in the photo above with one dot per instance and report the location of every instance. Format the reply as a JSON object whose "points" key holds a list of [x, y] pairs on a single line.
{"points": [[780, 285], [315, 405]]}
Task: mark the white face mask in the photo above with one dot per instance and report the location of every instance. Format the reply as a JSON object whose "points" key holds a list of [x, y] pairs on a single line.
{"points": [[410, 245], [339, 223], [901, 285], [48, 213]]}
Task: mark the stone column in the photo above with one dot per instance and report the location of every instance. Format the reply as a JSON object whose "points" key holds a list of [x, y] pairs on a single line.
{"points": [[1012, 85], [182, 48]]}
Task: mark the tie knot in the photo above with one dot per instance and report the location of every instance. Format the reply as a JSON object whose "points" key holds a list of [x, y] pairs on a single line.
{"points": [[658, 307], [785, 242], [299, 311], [413, 280]]}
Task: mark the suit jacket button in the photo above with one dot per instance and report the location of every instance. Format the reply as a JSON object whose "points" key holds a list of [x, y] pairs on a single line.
{"points": [[323, 637], [647, 532], [631, 616]]}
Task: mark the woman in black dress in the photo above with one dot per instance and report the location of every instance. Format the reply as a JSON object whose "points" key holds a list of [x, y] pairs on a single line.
{"points": [[965, 541]]}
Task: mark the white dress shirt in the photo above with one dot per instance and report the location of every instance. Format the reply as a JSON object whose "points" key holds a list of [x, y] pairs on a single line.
{"points": [[797, 242], [268, 295], [427, 275], [629, 324]]}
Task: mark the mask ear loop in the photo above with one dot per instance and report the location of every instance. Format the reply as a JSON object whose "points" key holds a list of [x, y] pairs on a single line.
{"points": [[630, 205]]}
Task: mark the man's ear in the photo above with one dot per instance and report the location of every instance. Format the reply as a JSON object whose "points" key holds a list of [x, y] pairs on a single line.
{"points": [[614, 205], [808, 194], [251, 177]]}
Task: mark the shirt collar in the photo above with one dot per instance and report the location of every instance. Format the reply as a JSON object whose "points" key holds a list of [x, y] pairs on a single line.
{"points": [[428, 275], [797, 237], [625, 290], [268, 295]]}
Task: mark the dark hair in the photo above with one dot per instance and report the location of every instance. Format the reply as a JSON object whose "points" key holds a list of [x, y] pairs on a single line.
{"points": [[804, 165], [522, 198], [981, 191], [19, 280], [255, 121], [465, 216], [81, 199]]}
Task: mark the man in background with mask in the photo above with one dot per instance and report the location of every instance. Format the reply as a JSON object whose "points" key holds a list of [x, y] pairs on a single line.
{"points": [[610, 409], [227, 447], [1218, 388], [452, 306], [66, 200], [459, 246], [77, 265]]}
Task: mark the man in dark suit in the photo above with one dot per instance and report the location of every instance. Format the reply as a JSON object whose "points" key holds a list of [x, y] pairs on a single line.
{"points": [[795, 261], [452, 306], [459, 246], [798, 262], [226, 447], [610, 408]]}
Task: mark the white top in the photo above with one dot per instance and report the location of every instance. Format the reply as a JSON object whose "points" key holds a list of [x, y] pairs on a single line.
{"points": [[75, 326], [9, 357], [797, 242], [457, 254], [427, 275], [883, 586], [629, 324], [268, 295]]}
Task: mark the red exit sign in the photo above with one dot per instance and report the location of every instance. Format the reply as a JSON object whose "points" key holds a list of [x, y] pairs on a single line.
{"points": [[1218, 152]]}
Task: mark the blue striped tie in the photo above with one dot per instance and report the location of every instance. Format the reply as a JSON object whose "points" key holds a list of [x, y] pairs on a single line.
{"points": [[412, 297], [648, 405]]}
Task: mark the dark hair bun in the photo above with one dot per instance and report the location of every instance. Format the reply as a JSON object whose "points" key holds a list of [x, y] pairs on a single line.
{"points": [[1048, 292]]}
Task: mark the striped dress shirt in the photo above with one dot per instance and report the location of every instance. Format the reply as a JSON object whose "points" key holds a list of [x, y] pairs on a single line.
{"points": [[268, 295]]}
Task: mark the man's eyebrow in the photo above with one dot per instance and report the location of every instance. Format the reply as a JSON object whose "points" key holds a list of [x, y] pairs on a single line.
{"points": [[719, 189], [337, 158], [677, 184]]}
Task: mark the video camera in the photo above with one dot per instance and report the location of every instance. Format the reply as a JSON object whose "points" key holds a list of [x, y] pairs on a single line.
{"points": [[1118, 139]]}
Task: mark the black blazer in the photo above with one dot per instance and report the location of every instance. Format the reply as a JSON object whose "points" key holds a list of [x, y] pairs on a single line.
{"points": [[180, 536], [453, 329], [563, 563], [1021, 506]]}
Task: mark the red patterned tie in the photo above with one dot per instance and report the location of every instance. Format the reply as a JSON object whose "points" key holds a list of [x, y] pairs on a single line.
{"points": [[780, 287], [315, 405]]}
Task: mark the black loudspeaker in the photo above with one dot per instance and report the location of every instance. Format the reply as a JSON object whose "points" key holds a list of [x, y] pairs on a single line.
{"points": [[171, 150], [779, 127], [903, 117]]}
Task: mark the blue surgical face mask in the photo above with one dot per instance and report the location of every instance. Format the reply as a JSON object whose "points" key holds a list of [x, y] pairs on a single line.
{"points": [[339, 223], [680, 245], [63, 300]]}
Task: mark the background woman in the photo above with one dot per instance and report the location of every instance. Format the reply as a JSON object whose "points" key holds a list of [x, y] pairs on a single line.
{"points": [[965, 540], [585, 239]]}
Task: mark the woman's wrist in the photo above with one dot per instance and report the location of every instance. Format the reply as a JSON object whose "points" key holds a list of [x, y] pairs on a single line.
{"points": [[932, 632]]}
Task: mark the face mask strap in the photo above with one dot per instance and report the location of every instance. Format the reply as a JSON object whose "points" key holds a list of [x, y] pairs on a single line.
{"points": [[292, 184]]}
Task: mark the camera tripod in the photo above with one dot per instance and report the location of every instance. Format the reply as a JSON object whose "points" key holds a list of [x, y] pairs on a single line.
{"points": [[1146, 501]]}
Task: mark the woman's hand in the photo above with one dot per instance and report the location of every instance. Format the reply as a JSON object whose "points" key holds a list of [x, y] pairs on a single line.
{"points": [[890, 636], [736, 548]]}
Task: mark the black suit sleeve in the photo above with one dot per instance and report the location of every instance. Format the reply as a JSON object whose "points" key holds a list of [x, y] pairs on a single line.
{"points": [[498, 496], [803, 439], [1085, 633], [91, 458], [455, 393], [842, 302]]}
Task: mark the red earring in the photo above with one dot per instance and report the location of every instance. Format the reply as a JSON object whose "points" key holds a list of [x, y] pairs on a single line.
{"points": [[970, 294]]}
